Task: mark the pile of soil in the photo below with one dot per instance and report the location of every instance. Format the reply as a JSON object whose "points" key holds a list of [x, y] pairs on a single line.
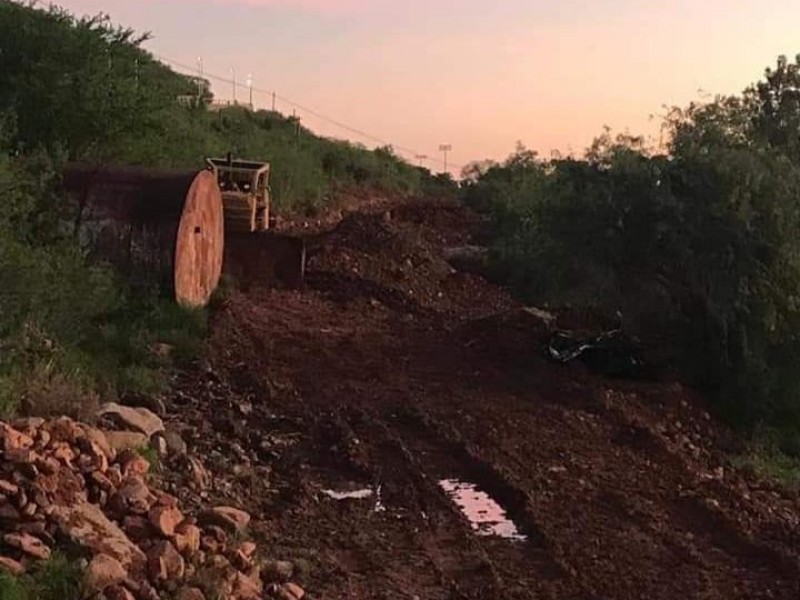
{"points": [[400, 262], [332, 415]]}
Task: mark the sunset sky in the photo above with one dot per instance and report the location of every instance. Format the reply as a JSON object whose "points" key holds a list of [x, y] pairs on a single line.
{"points": [[477, 74]]}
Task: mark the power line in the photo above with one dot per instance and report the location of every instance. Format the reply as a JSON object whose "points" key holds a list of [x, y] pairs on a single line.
{"points": [[305, 109], [299, 107], [359, 132]]}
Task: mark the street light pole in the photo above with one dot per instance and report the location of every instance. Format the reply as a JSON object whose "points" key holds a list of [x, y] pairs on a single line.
{"points": [[199, 78], [250, 88], [421, 157], [445, 148]]}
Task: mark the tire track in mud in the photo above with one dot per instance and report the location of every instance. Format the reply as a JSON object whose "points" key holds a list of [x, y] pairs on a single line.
{"points": [[417, 526], [408, 458], [459, 561], [433, 455]]}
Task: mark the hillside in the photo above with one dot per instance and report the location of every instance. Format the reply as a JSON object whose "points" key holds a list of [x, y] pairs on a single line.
{"points": [[393, 373], [84, 90], [364, 422], [109, 100]]}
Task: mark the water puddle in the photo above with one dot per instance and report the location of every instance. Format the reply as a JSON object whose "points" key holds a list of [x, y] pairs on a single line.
{"points": [[359, 494], [354, 495], [485, 515]]}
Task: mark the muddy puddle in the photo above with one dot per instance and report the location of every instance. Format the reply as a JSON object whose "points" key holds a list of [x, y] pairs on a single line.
{"points": [[485, 515], [350, 495], [358, 494]]}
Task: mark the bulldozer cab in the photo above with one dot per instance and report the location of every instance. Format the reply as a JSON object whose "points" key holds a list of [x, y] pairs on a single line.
{"points": [[245, 193]]}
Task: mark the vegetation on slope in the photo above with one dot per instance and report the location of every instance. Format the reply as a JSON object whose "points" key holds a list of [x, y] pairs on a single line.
{"points": [[698, 245], [85, 90], [58, 578]]}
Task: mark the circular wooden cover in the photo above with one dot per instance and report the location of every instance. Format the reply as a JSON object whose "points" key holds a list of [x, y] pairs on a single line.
{"points": [[200, 244]]}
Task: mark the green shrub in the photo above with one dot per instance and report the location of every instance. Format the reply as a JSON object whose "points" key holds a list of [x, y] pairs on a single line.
{"points": [[12, 588], [698, 248], [150, 454], [769, 455], [59, 578]]}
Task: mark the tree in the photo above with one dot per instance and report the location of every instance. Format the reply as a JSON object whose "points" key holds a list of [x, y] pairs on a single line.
{"points": [[776, 104], [81, 84], [473, 172]]}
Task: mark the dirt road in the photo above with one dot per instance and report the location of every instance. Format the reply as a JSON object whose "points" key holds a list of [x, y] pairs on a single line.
{"points": [[392, 373]]}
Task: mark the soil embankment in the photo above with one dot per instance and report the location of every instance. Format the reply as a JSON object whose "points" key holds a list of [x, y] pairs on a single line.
{"points": [[392, 372]]}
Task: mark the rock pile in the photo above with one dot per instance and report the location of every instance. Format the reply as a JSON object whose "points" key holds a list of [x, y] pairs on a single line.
{"points": [[67, 485]]}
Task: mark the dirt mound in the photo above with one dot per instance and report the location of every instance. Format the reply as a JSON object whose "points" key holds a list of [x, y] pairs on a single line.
{"points": [[348, 418], [339, 204], [445, 223], [394, 254], [367, 232]]}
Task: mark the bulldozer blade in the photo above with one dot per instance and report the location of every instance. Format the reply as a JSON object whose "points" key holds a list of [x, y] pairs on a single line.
{"points": [[265, 260]]}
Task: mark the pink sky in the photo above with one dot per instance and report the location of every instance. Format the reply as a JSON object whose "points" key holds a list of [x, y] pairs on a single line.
{"points": [[478, 75]]}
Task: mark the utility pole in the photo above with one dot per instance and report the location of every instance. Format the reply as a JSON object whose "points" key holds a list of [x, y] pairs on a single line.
{"points": [[273, 101], [445, 148], [233, 83], [250, 88], [296, 126], [199, 80]]}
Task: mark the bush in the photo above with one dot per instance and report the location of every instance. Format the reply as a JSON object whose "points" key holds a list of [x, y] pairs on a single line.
{"points": [[698, 248], [11, 588], [768, 456]]}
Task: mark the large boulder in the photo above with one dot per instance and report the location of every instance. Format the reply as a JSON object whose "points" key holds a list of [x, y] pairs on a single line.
{"points": [[230, 519], [86, 525], [103, 572], [138, 419]]}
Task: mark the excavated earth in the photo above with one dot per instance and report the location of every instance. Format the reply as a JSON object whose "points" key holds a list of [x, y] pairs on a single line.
{"points": [[393, 372]]}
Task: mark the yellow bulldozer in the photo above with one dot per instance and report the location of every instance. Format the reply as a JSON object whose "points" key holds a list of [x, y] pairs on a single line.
{"points": [[245, 193], [255, 254]]}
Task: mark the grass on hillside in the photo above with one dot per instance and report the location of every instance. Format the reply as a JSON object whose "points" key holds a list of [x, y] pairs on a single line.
{"points": [[765, 457], [59, 578]]}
